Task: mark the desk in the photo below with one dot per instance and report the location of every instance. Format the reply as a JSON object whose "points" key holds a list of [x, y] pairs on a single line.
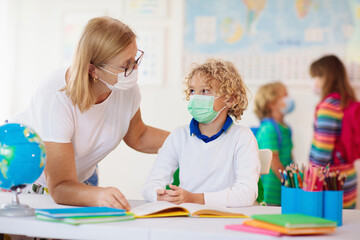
{"points": [[153, 228]]}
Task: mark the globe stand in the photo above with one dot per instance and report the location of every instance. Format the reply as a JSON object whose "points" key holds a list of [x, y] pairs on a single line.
{"points": [[15, 209]]}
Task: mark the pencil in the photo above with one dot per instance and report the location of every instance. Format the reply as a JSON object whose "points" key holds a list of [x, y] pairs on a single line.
{"points": [[313, 177], [291, 179], [286, 184], [334, 181], [298, 176], [281, 177], [295, 179]]}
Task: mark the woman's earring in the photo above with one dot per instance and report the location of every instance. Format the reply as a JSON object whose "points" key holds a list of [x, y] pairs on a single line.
{"points": [[95, 80]]}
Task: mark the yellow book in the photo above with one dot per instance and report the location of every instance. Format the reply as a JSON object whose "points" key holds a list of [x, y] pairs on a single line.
{"points": [[289, 231], [166, 209]]}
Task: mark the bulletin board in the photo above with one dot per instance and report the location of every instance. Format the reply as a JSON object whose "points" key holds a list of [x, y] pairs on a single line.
{"points": [[273, 39]]}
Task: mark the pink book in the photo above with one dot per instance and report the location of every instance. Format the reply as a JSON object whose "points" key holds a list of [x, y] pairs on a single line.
{"points": [[244, 228]]}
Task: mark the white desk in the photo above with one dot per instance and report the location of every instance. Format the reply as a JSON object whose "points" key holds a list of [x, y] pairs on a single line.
{"points": [[153, 228]]}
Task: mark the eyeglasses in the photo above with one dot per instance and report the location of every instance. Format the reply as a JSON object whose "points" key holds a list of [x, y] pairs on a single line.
{"points": [[130, 69]]}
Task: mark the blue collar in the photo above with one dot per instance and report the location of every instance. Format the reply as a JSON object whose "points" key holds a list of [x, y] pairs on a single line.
{"points": [[194, 129]]}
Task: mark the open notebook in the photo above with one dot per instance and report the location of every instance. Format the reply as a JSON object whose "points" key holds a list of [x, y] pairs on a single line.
{"points": [[166, 209]]}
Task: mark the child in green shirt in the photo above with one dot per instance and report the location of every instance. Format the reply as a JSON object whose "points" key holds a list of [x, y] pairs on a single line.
{"points": [[271, 105]]}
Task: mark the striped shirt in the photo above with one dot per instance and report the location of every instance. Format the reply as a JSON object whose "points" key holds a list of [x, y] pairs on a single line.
{"points": [[327, 129], [267, 137]]}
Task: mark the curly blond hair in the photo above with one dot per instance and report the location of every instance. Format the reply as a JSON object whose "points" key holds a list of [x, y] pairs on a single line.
{"points": [[266, 95], [224, 78]]}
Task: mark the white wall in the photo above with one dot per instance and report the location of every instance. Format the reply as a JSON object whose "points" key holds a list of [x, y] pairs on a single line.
{"points": [[37, 29], [6, 59]]}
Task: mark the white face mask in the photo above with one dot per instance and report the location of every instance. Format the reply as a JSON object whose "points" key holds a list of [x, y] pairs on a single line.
{"points": [[123, 83], [315, 87]]}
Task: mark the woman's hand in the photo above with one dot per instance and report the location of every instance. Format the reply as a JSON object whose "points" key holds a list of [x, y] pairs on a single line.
{"points": [[62, 180], [112, 197], [179, 195]]}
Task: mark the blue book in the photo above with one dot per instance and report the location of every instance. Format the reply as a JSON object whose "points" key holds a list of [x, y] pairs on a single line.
{"points": [[80, 212], [86, 220]]}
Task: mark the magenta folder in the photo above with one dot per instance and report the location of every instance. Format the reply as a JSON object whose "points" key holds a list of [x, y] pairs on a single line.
{"points": [[244, 228]]}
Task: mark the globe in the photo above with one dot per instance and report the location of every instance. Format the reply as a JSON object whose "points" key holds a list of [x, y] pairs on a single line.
{"points": [[22, 156]]}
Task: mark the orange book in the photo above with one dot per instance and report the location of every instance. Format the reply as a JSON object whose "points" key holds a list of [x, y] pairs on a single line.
{"points": [[289, 231]]}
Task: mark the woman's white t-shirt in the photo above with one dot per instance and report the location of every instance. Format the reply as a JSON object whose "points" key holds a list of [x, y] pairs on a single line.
{"points": [[94, 133]]}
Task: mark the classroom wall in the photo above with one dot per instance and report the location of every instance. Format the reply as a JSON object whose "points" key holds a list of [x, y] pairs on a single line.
{"points": [[36, 27]]}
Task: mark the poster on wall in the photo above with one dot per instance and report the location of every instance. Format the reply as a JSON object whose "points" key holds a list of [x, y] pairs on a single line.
{"points": [[273, 39], [154, 9], [152, 42], [73, 24]]}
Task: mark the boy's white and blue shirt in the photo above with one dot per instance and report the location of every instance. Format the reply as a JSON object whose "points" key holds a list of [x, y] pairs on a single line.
{"points": [[194, 130], [225, 167]]}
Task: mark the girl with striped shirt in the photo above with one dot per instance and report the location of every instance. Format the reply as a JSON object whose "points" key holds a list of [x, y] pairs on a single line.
{"points": [[332, 84]]}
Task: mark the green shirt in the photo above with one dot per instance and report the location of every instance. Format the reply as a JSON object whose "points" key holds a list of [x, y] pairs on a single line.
{"points": [[267, 137]]}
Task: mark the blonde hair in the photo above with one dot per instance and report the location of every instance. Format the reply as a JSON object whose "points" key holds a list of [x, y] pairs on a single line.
{"points": [[266, 95], [230, 83], [102, 39]]}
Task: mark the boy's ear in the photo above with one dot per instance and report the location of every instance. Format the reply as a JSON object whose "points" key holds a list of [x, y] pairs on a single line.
{"points": [[230, 102]]}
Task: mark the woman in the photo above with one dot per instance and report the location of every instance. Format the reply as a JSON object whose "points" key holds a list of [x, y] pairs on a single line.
{"points": [[83, 112], [332, 84]]}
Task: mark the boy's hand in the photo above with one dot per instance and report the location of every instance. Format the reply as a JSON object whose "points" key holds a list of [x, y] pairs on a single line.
{"points": [[178, 195], [160, 193]]}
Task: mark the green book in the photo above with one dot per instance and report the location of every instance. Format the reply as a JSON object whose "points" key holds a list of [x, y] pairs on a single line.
{"points": [[294, 220], [86, 220]]}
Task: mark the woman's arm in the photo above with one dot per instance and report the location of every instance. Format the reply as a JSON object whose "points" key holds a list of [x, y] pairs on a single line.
{"points": [[62, 181], [144, 138]]}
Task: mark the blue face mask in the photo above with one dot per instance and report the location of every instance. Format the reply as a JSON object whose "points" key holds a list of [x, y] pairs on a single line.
{"points": [[289, 105]]}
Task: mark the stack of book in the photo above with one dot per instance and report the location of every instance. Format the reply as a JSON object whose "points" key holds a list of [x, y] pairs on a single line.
{"points": [[81, 215], [285, 224]]}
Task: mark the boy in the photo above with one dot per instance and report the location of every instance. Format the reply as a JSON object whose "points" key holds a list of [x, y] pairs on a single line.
{"points": [[218, 160]]}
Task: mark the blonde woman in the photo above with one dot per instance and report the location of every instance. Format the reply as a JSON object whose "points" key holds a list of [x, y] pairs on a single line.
{"points": [[272, 104], [218, 160], [84, 111]]}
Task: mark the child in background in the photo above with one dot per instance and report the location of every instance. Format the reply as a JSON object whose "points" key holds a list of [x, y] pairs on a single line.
{"points": [[271, 105], [219, 161], [332, 84]]}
